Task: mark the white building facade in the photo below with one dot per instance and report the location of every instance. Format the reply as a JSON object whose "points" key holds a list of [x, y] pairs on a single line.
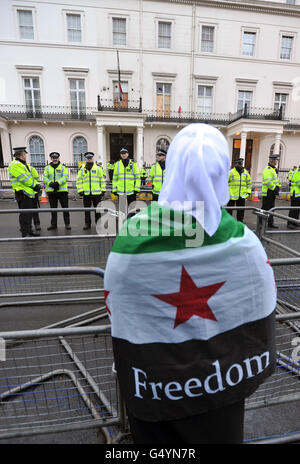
{"points": [[232, 64]]}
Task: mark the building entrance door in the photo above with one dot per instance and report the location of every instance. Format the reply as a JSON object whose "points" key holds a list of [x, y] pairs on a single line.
{"points": [[118, 141], [248, 155]]}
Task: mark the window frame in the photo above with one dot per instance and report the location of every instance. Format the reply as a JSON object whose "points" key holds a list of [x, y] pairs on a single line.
{"points": [[32, 9], [76, 136], [111, 17], [171, 21], [78, 91], [44, 154], [293, 36], [200, 27], [81, 13]]}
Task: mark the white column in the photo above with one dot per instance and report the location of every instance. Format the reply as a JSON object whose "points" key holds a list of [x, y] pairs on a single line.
{"points": [[100, 136], [243, 145], [139, 147], [5, 146], [277, 143]]}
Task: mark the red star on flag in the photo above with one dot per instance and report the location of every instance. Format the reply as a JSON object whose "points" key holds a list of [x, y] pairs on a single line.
{"points": [[191, 300], [106, 293]]}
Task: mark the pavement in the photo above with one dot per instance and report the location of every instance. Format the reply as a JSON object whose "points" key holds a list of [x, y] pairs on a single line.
{"points": [[264, 422]]}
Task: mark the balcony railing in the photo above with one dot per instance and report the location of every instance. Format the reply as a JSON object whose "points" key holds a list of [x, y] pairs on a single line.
{"points": [[63, 113], [54, 113]]}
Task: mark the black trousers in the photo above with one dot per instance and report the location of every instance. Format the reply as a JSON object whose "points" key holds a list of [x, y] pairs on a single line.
{"points": [[62, 198], [25, 219], [294, 213], [143, 180], [268, 203], [36, 218], [224, 425], [88, 201], [239, 212], [155, 196]]}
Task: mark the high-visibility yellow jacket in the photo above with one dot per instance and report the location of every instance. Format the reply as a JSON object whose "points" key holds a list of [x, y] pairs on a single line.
{"points": [[60, 175], [291, 172], [23, 178], [156, 177], [110, 166], [126, 179], [144, 172], [91, 181], [240, 184], [269, 180], [295, 184]]}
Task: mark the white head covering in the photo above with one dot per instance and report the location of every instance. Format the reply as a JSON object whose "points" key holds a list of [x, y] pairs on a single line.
{"points": [[197, 167]]}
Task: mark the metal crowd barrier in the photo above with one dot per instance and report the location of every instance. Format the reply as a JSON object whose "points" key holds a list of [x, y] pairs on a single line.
{"points": [[59, 379]]}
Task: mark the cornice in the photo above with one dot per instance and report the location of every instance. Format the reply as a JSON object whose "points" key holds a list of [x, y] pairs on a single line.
{"points": [[258, 6]]}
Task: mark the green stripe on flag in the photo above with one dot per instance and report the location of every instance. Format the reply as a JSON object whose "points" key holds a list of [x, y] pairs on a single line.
{"points": [[153, 232]]}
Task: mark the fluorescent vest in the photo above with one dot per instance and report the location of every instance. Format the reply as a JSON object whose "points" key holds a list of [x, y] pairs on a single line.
{"points": [[22, 178], [144, 172], [239, 184], [126, 179], [295, 184], [156, 177], [269, 180], [91, 182], [60, 175]]}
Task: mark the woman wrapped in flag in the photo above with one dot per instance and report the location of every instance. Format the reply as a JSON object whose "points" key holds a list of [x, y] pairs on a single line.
{"points": [[191, 298]]}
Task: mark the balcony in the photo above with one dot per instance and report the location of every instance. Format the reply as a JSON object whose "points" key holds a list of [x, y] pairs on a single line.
{"points": [[64, 113]]}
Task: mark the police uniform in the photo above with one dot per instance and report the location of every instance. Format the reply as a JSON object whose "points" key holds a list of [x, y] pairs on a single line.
{"points": [[126, 178], [270, 188], [110, 169], [157, 174], [240, 186], [294, 197], [25, 187], [55, 179], [90, 185], [144, 174]]}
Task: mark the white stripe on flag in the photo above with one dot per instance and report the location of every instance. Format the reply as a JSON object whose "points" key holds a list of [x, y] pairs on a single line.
{"points": [[137, 316]]}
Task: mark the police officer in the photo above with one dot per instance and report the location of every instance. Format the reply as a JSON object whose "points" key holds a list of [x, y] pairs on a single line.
{"points": [[157, 173], [90, 186], [110, 169], [55, 179], [291, 172], [144, 174], [126, 178], [270, 187], [295, 197], [240, 185], [35, 216], [25, 187]]}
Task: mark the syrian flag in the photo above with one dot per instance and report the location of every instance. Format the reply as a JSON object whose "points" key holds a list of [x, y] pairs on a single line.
{"points": [[192, 327], [119, 79]]}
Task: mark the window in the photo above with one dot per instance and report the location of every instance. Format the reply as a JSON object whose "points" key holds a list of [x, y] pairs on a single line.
{"points": [[25, 20], [204, 99], [36, 150], [162, 144], [249, 43], [280, 100], [119, 31], [77, 96], [286, 47], [291, 2], [74, 27], [116, 95], [80, 147], [163, 99], [244, 98], [164, 35], [207, 38], [32, 94]]}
